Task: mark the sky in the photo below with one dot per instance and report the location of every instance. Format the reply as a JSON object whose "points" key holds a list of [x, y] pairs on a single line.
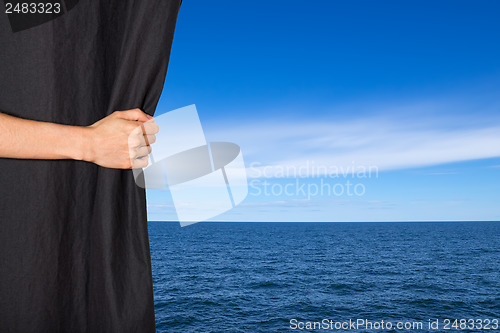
{"points": [[346, 110]]}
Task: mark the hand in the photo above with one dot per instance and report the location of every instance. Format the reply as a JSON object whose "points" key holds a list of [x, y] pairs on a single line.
{"points": [[122, 140]]}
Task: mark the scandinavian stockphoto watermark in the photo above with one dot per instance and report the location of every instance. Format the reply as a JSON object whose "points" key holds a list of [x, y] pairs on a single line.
{"points": [[310, 179], [465, 324], [204, 179], [207, 179]]}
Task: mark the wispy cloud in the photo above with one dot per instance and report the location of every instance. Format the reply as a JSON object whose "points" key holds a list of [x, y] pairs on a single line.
{"points": [[386, 142], [443, 173]]}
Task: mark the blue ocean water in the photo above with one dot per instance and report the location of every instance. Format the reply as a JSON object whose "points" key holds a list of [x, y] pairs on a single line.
{"points": [[257, 277]]}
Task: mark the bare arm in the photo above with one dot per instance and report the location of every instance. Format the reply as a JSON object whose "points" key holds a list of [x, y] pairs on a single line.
{"points": [[117, 141]]}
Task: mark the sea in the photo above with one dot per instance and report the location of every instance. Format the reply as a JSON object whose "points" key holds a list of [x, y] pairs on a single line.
{"points": [[326, 277]]}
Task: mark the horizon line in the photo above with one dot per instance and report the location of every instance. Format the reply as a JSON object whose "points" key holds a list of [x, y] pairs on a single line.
{"points": [[429, 221]]}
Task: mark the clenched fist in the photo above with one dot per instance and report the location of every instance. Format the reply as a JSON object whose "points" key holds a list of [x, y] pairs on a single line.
{"points": [[122, 140]]}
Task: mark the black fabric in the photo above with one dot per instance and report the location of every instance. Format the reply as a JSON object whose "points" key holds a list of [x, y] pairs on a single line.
{"points": [[74, 248]]}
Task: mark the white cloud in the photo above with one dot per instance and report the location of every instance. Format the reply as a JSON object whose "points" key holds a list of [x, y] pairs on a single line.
{"points": [[387, 143]]}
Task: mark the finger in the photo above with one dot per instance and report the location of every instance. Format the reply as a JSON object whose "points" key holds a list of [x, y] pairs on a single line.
{"points": [[136, 139], [150, 138], [140, 163], [142, 151], [139, 152], [143, 140], [145, 135], [134, 115], [137, 136], [134, 127], [150, 127]]}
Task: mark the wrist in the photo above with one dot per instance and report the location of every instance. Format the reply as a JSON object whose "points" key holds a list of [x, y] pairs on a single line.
{"points": [[83, 146]]}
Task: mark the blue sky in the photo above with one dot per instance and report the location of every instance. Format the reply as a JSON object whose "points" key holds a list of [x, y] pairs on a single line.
{"points": [[411, 88]]}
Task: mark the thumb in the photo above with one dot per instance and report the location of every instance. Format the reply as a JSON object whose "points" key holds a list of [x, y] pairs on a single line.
{"points": [[134, 115]]}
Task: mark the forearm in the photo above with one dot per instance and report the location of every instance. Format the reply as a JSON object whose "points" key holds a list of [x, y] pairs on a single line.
{"points": [[120, 141], [28, 139]]}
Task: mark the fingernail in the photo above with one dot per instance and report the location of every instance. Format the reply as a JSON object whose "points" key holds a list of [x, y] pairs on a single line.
{"points": [[149, 117]]}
